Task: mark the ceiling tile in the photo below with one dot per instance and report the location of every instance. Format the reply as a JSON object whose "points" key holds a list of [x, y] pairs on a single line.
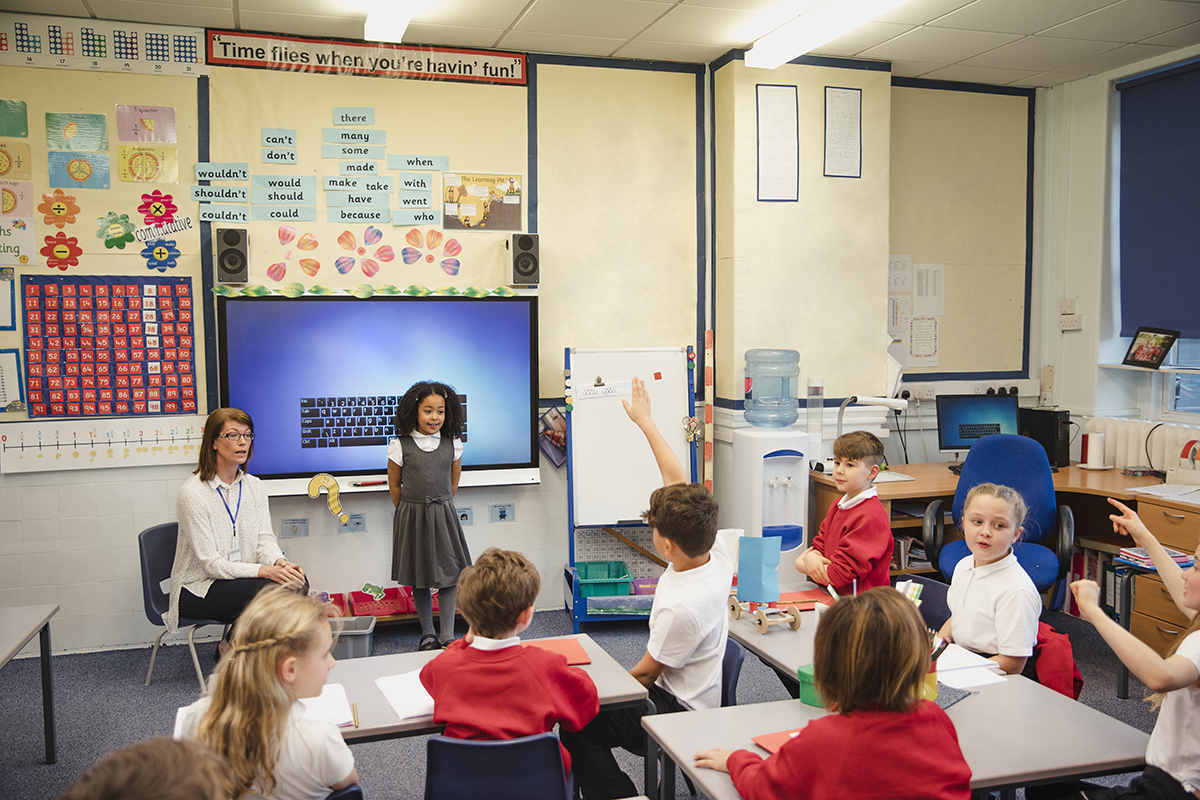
{"points": [[610, 19], [1041, 53], [312, 8], [473, 13], [1048, 79], [1130, 21], [861, 38], [1121, 57], [1017, 16], [57, 8], [1186, 36], [529, 42], [938, 44], [201, 14], [782, 8], [919, 12], [995, 77], [302, 24], [715, 26], [913, 69], [451, 36], [670, 51]]}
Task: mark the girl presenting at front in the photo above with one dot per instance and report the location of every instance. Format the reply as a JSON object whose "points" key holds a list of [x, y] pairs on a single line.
{"points": [[994, 606], [424, 464], [251, 716], [881, 741], [1173, 755]]}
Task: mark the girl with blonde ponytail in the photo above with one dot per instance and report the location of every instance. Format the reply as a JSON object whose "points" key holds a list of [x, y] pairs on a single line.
{"points": [[280, 655]]}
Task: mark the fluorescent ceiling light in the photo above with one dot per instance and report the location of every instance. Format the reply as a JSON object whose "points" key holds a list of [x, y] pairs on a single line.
{"points": [[813, 28], [387, 20]]}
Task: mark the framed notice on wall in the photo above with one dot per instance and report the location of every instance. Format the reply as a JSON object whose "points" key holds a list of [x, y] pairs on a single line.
{"points": [[778, 118], [108, 346]]}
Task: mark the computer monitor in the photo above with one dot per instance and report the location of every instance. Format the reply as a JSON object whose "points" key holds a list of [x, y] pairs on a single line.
{"points": [[963, 419]]}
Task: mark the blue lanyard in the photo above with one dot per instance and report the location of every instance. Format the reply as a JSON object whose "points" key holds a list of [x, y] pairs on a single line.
{"points": [[233, 515]]}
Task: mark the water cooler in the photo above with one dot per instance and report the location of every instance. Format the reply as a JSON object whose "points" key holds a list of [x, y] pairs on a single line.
{"points": [[767, 490]]}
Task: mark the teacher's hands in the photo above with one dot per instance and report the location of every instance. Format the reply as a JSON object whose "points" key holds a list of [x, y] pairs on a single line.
{"points": [[282, 572]]}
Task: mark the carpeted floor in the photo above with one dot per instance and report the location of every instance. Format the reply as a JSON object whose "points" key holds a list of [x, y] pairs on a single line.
{"points": [[102, 704]]}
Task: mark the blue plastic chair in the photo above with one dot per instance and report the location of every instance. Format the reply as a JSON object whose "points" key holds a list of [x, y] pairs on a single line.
{"points": [[156, 546], [501, 769], [1020, 463], [351, 792]]}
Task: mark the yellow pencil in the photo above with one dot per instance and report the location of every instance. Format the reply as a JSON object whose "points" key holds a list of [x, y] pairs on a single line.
{"points": [[354, 708]]}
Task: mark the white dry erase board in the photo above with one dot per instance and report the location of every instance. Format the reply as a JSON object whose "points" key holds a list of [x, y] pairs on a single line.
{"points": [[613, 470]]}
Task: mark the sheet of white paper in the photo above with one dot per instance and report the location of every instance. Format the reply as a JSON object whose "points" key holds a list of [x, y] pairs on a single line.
{"points": [[956, 658], [406, 695], [929, 290], [843, 132], [1178, 491], [178, 731], [900, 273], [330, 706], [606, 389], [899, 313], [10, 376], [778, 143], [968, 678], [8, 292], [923, 342], [899, 348], [892, 477]]}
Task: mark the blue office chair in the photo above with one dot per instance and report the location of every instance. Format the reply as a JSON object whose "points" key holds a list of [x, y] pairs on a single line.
{"points": [[933, 608], [156, 547], [503, 769], [1021, 463], [351, 792]]}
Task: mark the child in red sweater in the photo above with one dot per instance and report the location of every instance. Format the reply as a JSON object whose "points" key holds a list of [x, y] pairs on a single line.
{"points": [[855, 541], [487, 685], [881, 741]]}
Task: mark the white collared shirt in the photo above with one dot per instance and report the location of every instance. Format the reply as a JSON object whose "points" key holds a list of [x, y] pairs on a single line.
{"points": [[427, 443], [484, 643], [994, 608], [864, 495]]}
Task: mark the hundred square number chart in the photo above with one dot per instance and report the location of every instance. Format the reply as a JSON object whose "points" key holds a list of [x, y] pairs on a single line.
{"points": [[108, 346]]}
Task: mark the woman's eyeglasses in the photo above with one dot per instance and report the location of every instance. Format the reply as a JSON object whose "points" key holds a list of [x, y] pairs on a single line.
{"points": [[234, 437]]}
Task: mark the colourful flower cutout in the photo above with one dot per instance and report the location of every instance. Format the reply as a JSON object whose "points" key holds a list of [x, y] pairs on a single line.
{"points": [[62, 251], [116, 231], [160, 254], [370, 266], [158, 208], [287, 233], [59, 209], [431, 240]]}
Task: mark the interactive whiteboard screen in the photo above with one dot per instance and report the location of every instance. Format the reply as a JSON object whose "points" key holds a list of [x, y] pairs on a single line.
{"points": [[321, 376]]}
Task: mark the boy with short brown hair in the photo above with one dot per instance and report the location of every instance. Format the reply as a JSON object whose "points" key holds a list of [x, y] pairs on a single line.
{"points": [[853, 548]]}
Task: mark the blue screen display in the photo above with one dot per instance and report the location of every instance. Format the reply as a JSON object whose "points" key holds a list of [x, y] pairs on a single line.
{"points": [[965, 418], [287, 361]]}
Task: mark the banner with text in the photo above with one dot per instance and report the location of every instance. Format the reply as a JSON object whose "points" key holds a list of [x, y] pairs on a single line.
{"points": [[378, 59]]}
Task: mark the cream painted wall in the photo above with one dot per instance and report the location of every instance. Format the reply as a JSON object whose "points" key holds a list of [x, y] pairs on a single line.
{"points": [[810, 275]]}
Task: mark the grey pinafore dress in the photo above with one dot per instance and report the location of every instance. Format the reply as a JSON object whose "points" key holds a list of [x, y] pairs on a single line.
{"points": [[429, 548]]}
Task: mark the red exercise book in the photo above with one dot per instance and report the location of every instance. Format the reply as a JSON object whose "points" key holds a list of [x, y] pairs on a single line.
{"points": [[571, 648], [771, 742], [805, 601]]}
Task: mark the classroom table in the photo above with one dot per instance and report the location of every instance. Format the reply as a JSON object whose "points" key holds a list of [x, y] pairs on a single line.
{"points": [[18, 625], [780, 648], [377, 720], [1014, 733]]}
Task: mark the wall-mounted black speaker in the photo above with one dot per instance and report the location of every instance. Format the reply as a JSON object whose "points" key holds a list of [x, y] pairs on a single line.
{"points": [[233, 255], [524, 262]]}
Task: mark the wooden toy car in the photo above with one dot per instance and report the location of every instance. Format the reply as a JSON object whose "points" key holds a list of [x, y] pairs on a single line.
{"points": [[763, 614]]}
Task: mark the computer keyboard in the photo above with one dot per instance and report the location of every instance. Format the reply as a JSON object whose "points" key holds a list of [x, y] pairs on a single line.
{"points": [[352, 421], [956, 467], [977, 430]]}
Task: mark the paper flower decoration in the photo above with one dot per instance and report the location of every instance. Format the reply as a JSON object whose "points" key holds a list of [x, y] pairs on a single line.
{"points": [[62, 251], [160, 254], [430, 241], [59, 209], [370, 266], [116, 231], [157, 208]]}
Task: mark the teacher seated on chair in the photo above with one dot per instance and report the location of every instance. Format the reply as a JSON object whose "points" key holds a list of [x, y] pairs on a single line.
{"points": [[226, 552]]}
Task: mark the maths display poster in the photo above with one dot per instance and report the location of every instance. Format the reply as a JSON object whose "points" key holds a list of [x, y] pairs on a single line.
{"points": [[77, 170], [14, 118], [14, 161], [147, 164], [105, 346], [76, 132], [145, 123]]}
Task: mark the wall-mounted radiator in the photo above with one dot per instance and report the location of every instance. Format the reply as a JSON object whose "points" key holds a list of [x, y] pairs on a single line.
{"points": [[1136, 443]]}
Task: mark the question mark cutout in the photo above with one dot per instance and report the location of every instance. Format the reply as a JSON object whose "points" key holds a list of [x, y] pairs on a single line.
{"points": [[330, 485]]}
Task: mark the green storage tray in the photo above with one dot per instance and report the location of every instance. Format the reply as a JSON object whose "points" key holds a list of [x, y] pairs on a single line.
{"points": [[603, 578]]}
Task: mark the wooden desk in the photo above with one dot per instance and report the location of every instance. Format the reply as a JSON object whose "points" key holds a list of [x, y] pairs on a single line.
{"points": [[1048, 737], [377, 720], [17, 626]]}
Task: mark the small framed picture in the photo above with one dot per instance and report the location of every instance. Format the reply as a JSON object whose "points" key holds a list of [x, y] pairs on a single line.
{"points": [[1149, 347], [552, 436]]}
